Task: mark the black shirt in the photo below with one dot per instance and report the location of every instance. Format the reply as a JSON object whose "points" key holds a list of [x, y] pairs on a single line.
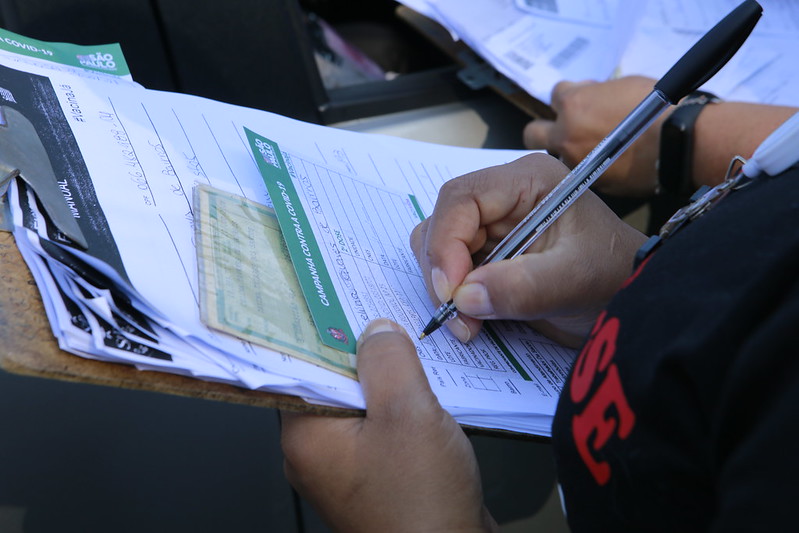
{"points": [[682, 410]]}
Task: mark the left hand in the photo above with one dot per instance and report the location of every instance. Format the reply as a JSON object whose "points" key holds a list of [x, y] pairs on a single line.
{"points": [[405, 466], [587, 112]]}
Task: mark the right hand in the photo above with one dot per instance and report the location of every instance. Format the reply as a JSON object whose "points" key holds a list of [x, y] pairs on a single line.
{"points": [[560, 284], [586, 113]]}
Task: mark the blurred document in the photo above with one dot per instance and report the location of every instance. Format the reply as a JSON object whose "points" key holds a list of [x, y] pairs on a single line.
{"points": [[765, 69], [582, 11], [547, 41], [538, 43]]}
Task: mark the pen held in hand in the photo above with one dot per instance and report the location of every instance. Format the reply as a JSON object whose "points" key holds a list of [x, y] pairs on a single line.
{"points": [[698, 65]]}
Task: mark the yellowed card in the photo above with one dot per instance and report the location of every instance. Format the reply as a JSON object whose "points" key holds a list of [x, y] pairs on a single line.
{"points": [[248, 287]]}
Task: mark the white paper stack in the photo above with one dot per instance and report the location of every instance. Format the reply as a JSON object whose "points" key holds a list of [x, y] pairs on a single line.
{"points": [[126, 160]]}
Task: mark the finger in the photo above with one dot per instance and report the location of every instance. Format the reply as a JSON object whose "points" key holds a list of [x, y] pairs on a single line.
{"points": [[418, 235], [437, 285], [445, 242], [537, 134], [464, 327], [562, 89], [395, 388], [528, 287], [502, 290], [481, 206], [558, 91], [394, 384]]}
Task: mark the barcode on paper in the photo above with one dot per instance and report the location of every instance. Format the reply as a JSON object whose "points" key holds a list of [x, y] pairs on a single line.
{"points": [[518, 59], [567, 54]]}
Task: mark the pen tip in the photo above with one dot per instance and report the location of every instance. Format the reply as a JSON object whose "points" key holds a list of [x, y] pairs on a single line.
{"points": [[429, 328]]}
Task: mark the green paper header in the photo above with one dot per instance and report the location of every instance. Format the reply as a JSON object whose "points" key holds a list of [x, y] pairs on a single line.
{"points": [[317, 286], [105, 58]]}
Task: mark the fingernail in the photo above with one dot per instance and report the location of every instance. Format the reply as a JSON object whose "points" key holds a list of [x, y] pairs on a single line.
{"points": [[472, 299], [459, 329], [440, 284], [380, 325]]}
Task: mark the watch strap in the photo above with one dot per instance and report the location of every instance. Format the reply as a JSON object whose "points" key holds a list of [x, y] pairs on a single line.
{"points": [[675, 165]]}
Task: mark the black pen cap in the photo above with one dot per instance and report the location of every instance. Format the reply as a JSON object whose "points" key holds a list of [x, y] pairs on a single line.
{"points": [[710, 53]]}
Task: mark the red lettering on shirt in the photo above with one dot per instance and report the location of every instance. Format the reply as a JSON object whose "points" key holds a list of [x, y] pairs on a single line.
{"points": [[606, 412], [635, 274]]}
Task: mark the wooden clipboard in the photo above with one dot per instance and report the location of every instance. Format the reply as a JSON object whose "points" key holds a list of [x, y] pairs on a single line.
{"points": [[29, 348]]}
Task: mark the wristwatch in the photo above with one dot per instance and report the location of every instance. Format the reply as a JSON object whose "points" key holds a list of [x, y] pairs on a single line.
{"points": [[677, 145]]}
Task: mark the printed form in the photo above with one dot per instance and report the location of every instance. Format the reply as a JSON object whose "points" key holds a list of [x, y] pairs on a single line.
{"points": [[129, 159], [348, 237]]}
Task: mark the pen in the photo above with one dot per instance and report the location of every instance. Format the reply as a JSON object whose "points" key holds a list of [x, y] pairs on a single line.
{"points": [[698, 65]]}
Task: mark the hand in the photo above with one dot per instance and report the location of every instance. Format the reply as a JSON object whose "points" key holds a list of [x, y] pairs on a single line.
{"points": [[560, 283], [586, 113], [405, 466]]}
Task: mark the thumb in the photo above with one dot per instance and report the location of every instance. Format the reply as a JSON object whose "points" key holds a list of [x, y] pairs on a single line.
{"points": [[390, 372], [527, 287]]}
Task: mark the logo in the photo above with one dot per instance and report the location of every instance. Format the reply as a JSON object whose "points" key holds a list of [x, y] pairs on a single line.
{"points": [[99, 61], [338, 334], [267, 152]]}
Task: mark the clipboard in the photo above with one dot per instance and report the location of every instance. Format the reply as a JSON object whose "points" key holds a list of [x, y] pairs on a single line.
{"points": [[29, 348]]}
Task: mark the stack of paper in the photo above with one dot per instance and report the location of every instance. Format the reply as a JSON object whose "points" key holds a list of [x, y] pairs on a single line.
{"points": [[128, 163], [539, 43]]}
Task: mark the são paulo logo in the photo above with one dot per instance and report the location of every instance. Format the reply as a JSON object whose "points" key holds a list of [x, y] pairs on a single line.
{"points": [[100, 60]]}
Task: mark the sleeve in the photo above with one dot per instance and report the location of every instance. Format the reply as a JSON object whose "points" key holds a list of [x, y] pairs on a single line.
{"points": [[755, 443]]}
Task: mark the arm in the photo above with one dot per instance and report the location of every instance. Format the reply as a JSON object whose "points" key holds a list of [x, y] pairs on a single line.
{"points": [[727, 129], [559, 285], [404, 467], [588, 111]]}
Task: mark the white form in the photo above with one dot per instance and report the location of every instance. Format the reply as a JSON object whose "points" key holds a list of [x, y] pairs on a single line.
{"points": [[349, 238], [129, 158]]}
